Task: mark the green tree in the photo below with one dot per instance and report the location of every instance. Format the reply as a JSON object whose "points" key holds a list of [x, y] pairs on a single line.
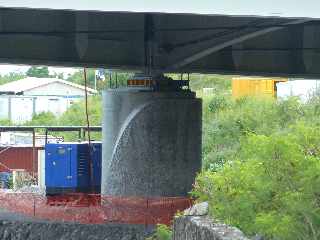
{"points": [[112, 80], [227, 121], [75, 116], [5, 122], [78, 77], [43, 119], [39, 72], [116, 79], [162, 232], [10, 77]]}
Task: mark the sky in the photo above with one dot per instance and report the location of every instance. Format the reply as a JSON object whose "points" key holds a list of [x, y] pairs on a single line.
{"points": [[285, 8]]}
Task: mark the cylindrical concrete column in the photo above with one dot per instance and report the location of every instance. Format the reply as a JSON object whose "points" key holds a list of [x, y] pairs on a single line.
{"points": [[151, 142]]}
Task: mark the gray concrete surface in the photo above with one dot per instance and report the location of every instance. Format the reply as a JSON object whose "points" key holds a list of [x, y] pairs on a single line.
{"points": [[117, 40], [152, 143], [11, 216], [204, 228], [15, 226]]}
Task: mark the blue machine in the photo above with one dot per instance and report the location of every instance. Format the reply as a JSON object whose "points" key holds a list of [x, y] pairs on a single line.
{"points": [[67, 167]]}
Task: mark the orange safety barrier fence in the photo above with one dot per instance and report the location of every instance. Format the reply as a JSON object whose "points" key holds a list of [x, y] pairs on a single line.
{"points": [[94, 208]]}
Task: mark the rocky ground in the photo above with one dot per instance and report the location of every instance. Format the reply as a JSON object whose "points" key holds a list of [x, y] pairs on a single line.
{"points": [[18, 227], [195, 224]]}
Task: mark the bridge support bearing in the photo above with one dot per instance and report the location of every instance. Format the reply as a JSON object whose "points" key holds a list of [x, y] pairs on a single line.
{"points": [[151, 142]]}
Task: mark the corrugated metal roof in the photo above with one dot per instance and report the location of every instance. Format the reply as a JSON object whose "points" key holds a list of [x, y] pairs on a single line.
{"points": [[32, 82]]}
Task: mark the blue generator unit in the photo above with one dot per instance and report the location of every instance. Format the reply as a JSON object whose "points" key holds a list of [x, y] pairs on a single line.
{"points": [[67, 168]]}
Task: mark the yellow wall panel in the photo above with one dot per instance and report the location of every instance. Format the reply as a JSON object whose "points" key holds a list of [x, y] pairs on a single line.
{"points": [[255, 86]]}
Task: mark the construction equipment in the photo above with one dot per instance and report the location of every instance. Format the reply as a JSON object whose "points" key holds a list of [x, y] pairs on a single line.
{"points": [[67, 167]]}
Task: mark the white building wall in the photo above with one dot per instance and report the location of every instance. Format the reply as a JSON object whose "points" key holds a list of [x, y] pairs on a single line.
{"points": [[55, 89], [50, 104], [21, 109], [55, 104], [54, 97]]}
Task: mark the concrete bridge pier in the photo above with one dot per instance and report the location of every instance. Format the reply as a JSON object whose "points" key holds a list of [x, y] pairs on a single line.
{"points": [[151, 142]]}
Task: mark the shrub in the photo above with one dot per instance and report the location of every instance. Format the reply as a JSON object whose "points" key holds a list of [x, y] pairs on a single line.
{"points": [[272, 187], [218, 103], [42, 119], [227, 121], [289, 110], [5, 122], [163, 232]]}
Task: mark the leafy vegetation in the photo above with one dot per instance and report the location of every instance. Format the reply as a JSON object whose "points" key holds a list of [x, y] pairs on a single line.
{"points": [[226, 121], [221, 84], [42, 119], [271, 187], [74, 116], [5, 122], [37, 71], [112, 79], [10, 77], [78, 77], [261, 161], [162, 232]]}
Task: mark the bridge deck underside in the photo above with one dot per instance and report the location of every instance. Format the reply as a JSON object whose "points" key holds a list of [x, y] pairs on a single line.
{"points": [[161, 42]]}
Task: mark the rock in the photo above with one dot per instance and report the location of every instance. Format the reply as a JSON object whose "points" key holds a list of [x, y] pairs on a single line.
{"points": [[199, 209], [27, 230], [204, 228]]}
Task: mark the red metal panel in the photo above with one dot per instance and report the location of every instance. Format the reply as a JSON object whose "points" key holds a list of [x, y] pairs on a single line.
{"points": [[19, 158]]}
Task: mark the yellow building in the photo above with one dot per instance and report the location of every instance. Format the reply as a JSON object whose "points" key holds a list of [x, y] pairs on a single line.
{"points": [[255, 86]]}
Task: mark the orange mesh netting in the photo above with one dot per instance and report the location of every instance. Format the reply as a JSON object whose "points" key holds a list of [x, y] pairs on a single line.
{"points": [[94, 208]]}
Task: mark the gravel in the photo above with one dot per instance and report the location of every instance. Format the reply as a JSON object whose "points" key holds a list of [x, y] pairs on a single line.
{"points": [[15, 226]]}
